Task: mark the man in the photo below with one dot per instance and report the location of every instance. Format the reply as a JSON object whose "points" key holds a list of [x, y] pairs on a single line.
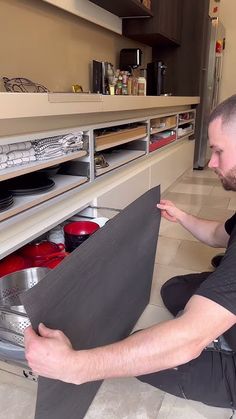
{"points": [[177, 356]]}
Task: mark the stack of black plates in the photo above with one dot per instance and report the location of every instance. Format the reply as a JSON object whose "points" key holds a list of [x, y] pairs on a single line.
{"points": [[6, 200], [33, 183]]}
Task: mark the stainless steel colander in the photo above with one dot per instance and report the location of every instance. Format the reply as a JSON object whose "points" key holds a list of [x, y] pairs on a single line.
{"points": [[13, 319], [12, 285]]}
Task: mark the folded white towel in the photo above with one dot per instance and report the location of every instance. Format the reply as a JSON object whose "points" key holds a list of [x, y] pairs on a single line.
{"points": [[6, 148], [65, 142], [3, 158], [22, 160], [18, 154], [3, 166]]}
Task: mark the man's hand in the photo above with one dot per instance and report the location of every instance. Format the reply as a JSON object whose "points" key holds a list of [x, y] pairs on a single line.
{"points": [[50, 354], [169, 211]]}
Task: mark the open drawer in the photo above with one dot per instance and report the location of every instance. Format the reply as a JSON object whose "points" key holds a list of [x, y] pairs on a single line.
{"points": [[109, 275], [119, 135]]}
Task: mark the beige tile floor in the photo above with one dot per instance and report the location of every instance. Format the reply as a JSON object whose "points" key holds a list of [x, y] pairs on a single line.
{"points": [[178, 253]]}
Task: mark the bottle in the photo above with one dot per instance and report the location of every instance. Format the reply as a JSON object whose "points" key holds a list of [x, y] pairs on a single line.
{"points": [[129, 85], [141, 86], [134, 86]]}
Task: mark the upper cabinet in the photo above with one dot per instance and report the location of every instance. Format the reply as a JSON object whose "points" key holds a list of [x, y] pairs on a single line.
{"points": [[163, 28], [124, 8]]}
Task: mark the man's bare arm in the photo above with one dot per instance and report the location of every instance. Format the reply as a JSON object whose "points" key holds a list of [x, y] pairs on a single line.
{"points": [[209, 232], [160, 347]]}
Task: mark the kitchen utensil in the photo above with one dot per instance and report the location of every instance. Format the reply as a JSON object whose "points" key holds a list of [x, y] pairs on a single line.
{"points": [[77, 232], [12, 285], [13, 337], [13, 319], [42, 249], [13, 263]]}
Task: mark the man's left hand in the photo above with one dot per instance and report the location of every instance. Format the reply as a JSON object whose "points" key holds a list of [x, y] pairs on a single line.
{"points": [[50, 354]]}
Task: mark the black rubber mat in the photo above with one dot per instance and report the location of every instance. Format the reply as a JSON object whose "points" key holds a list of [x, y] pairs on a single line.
{"points": [[96, 296]]}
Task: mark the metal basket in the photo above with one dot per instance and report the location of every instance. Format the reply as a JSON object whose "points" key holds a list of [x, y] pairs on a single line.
{"points": [[12, 285], [13, 319], [15, 338]]}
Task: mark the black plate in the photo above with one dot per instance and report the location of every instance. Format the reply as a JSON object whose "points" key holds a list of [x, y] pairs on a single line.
{"points": [[29, 184], [33, 191], [6, 207], [5, 195], [9, 201], [4, 204]]}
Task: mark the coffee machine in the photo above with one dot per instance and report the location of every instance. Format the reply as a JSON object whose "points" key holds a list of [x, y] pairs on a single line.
{"points": [[155, 78], [130, 58]]}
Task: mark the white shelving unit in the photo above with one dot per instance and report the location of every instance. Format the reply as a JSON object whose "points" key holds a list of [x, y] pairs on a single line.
{"points": [[63, 184], [33, 215]]}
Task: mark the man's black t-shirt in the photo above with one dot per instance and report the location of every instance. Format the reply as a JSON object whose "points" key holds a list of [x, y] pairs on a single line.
{"points": [[220, 286]]}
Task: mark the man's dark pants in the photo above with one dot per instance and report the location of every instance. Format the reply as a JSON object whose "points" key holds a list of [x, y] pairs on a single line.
{"points": [[210, 378]]}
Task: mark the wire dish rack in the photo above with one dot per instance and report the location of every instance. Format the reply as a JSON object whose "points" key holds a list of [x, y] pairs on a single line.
{"points": [[13, 318]]}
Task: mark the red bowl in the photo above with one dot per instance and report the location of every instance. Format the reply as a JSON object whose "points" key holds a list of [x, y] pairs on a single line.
{"points": [[76, 233], [41, 249], [13, 263], [79, 228]]}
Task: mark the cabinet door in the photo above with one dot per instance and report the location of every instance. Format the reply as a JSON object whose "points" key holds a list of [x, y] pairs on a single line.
{"points": [[96, 296], [168, 15], [125, 193], [163, 28]]}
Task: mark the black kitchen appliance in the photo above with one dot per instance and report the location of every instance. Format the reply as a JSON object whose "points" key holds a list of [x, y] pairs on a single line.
{"points": [[98, 77], [155, 78], [130, 58]]}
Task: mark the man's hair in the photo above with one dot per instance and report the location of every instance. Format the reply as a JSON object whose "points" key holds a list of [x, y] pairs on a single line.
{"points": [[226, 110]]}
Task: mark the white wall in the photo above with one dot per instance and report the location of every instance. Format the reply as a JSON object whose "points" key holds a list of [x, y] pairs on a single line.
{"points": [[228, 18]]}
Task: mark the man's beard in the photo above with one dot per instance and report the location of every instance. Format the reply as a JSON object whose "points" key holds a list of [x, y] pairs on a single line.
{"points": [[229, 180]]}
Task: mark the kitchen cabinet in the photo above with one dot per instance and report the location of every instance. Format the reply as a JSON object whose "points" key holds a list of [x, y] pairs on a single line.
{"points": [[122, 144], [163, 28], [186, 64], [115, 186], [125, 193], [124, 8], [165, 176]]}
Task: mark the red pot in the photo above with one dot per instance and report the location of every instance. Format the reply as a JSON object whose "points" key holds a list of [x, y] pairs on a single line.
{"points": [[53, 261], [40, 250], [13, 263]]}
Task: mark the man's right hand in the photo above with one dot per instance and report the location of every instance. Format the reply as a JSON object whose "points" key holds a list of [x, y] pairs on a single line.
{"points": [[169, 211]]}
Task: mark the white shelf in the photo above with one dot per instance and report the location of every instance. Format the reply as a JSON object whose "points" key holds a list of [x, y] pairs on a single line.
{"points": [[187, 121], [12, 172], [119, 142], [157, 130], [63, 183], [185, 135], [119, 158]]}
